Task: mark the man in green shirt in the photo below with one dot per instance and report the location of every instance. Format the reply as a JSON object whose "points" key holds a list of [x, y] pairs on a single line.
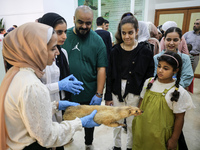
{"points": [[87, 61]]}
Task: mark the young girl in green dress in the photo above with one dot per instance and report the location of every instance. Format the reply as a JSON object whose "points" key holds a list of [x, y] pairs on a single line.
{"points": [[164, 103]]}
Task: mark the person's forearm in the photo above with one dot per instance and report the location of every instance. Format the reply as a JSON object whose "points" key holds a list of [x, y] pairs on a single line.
{"points": [[140, 102], [101, 77], [178, 125]]}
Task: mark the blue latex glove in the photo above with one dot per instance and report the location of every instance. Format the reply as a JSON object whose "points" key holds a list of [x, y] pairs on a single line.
{"points": [[74, 78], [70, 84], [95, 100], [62, 105], [88, 121]]}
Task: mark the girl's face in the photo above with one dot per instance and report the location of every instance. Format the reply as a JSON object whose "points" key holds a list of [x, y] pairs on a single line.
{"points": [[128, 33], [165, 72], [172, 41], [61, 30], [52, 49]]}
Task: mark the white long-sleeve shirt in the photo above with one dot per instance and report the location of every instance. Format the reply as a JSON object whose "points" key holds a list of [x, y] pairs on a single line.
{"points": [[50, 79], [28, 114]]}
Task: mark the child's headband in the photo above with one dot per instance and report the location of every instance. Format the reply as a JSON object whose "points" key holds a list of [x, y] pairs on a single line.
{"points": [[171, 57]]}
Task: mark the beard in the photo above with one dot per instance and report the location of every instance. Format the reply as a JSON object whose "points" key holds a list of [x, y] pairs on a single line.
{"points": [[82, 35], [195, 29]]}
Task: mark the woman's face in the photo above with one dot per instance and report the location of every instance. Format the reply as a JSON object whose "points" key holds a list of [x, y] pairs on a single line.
{"points": [[172, 41], [61, 30], [52, 49], [128, 34]]}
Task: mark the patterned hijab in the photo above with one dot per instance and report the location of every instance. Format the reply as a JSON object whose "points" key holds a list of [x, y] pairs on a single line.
{"points": [[25, 46]]}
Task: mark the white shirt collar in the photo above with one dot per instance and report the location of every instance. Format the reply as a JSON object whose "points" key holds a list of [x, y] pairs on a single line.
{"points": [[99, 28]]}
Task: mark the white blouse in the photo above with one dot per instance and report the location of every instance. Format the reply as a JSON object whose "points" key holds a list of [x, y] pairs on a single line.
{"points": [[50, 79], [184, 102], [28, 114]]}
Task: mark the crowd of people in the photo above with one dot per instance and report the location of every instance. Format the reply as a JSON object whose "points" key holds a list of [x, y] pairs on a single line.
{"points": [[52, 67]]}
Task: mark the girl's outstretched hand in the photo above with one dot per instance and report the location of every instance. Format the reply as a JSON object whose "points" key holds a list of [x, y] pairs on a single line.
{"points": [[172, 144], [109, 103]]}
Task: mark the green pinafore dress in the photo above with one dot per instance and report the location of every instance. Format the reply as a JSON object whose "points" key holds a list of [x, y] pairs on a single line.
{"points": [[154, 127]]}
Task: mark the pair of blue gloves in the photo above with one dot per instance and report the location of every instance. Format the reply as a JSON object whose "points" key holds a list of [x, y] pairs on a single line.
{"points": [[71, 84], [86, 121]]}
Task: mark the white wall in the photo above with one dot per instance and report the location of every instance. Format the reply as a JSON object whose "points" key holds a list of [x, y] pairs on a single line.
{"points": [[149, 10], [65, 8], [19, 12]]}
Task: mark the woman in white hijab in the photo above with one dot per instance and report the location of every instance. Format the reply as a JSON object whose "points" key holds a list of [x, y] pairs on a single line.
{"points": [[143, 33]]}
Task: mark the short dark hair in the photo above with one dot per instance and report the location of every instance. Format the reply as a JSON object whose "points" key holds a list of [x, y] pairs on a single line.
{"points": [[106, 21], [100, 21], [1, 30], [15, 26]]}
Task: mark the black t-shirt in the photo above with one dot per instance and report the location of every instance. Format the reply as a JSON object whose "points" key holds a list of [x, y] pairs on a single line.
{"points": [[126, 58]]}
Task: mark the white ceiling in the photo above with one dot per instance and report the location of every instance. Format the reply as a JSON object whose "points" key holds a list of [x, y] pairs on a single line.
{"points": [[169, 1]]}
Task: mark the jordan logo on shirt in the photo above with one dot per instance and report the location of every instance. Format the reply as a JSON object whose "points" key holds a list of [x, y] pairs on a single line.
{"points": [[76, 47]]}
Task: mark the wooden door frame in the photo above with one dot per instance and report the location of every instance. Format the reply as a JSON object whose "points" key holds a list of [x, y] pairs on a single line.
{"points": [[190, 11], [185, 10]]}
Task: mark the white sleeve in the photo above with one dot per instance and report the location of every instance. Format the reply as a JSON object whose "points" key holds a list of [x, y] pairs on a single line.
{"points": [[111, 36], [184, 102], [53, 87], [144, 88], [36, 111], [48, 79], [66, 54]]}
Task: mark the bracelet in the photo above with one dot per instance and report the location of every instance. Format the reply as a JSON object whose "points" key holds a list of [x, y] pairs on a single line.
{"points": [[99, 95], [55, 106]]}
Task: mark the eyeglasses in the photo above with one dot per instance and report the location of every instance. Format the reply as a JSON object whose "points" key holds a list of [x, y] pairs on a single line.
{"points": [[60, 32]]}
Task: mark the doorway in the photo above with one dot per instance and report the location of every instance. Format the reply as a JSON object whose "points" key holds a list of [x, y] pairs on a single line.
{"points": [[184, 17]]}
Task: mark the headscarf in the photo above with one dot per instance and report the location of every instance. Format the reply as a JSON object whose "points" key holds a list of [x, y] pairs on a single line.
{"points": [[26, 46], [143, 33], [61, 60], [50, 19], [152, 30], [168, 25], [153, 37]]}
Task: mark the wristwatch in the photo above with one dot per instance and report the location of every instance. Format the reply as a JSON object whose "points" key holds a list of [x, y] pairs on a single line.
{"points": [[99, 95]]}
